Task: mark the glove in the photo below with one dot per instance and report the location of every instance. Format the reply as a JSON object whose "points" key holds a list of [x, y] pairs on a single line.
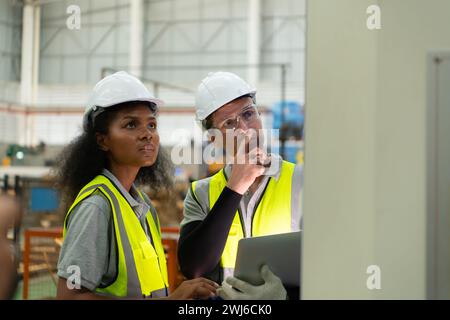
{"points": [[272, 289]]}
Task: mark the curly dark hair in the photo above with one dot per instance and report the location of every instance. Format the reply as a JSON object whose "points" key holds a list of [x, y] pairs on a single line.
{"points": [[82, 160]]}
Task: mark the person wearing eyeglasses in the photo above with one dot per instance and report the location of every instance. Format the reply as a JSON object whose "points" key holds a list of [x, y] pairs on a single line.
{"points": [[255, 194]]}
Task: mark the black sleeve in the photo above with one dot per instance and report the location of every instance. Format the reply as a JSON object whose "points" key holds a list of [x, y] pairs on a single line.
{"points": [[293, 293], [201, 243]]}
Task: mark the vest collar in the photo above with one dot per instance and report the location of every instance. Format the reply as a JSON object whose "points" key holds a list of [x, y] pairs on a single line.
{"points": [[132, 197]]}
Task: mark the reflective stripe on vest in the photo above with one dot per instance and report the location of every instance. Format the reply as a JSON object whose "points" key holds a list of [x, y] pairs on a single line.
{"points": [[273, 214], [142, 268]]}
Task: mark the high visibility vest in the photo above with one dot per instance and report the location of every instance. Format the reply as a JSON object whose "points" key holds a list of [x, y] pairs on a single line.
{"points": [[272, 216], [142, 267]]}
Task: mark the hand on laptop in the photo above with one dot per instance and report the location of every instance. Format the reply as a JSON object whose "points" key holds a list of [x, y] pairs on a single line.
{"points": [[272, 289]]}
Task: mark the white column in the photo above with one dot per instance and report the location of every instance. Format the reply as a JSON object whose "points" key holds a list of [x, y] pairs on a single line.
{"points": [[26, 77], [136, 36], [36, 50], [29, 78], [35, 81], [253, 41]]}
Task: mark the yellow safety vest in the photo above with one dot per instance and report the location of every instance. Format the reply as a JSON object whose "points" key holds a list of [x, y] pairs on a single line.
{"points": [[272, 216], [142, 267]]}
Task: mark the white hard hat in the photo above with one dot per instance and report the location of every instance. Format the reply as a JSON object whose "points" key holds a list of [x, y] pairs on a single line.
{"points": [[117, 88], [216, 90]]}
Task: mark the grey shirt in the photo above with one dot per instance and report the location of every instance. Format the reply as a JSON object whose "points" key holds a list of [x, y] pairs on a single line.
{"points": [[90, 237]]}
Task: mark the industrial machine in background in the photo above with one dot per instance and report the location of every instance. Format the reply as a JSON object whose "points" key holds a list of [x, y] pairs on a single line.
{"points": [[17, 154], [288, 118]]}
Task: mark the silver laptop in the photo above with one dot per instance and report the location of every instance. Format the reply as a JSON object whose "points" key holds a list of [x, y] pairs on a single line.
{"points": [[280, 252]]}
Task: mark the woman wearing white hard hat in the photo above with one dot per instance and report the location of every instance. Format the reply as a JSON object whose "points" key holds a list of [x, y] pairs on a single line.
{"points": [[112, 245]]}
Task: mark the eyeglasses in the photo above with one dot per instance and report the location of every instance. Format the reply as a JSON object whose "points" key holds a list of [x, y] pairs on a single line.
{"points": [[248, 116]]}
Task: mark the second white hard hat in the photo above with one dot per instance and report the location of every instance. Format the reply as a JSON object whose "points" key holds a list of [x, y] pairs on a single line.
{"points": [[216, 90], [117, 88]]}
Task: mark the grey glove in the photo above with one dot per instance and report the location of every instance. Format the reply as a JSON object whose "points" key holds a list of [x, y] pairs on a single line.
{"points": [[272, 289]]}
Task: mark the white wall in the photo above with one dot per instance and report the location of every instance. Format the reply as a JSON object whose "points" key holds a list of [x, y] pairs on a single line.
{"points": [[8, 125], [339, 146], [182, 40], [11, 22], [10, 40], [410, 30], [77, 56], [365, 146]]}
